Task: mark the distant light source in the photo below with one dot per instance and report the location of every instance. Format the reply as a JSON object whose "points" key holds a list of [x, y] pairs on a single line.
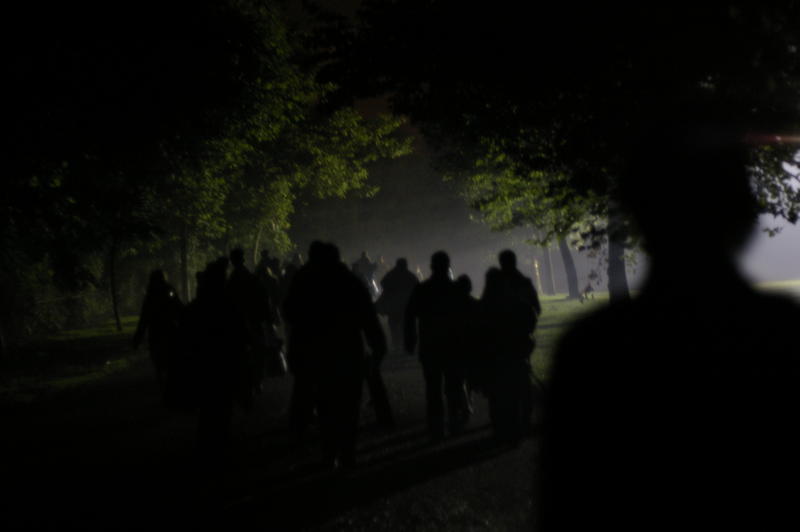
{"points": [[771, 138]]}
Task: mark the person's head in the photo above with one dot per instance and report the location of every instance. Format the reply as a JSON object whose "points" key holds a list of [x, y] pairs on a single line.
{"points": [[440, 263], [265, 255], [493, 282], [464, 284], [508, 260], [332, 255], [316, 252], [323, 254], [686, 188], [157, 281], [213, 278], [401, 264], [237, 257]]}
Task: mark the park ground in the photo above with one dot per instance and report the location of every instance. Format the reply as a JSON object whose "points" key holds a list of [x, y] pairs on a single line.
{"points": [[86, 443]]}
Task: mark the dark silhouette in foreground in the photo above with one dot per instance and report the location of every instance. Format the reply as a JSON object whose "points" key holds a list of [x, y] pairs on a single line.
{"points": [[677, 409], [328, 309], [396, 285], [267, 272], [511, 309], [159, 320], [433, 317], [473, 364], [365, 269], [210, 375]]}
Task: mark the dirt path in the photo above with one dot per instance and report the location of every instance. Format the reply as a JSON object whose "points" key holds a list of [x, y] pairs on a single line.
{"points": [[108, 456]]}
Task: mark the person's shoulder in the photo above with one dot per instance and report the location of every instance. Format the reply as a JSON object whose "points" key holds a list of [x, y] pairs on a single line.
{"points": [[522, 278], [340, 273], [422, 288], [777, 309], [426, 283]]}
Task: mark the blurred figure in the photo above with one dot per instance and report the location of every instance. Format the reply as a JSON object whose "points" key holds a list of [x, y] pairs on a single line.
{"points": [[432, 317], [251, 304], [473, 364], [365, 269], [678, 406], [511, 307], [159, 320], [289, 270], [267, 272], [328, 309], [381, 268], [397, 286], [215, 338]]}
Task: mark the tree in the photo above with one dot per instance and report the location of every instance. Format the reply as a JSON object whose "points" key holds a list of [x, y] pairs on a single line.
{"points": [[175, 125], [550, 99]]}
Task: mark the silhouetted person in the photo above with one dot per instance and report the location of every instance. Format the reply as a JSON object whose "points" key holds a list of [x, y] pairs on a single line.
{"points": [[251, 304], [397, 285], [328, 310], [470, 367], [381, 268], [159, 320], [677, 408], [267, 271], [365, 270], [433, 310], [511, 309], [289, 270], [215, 336]]}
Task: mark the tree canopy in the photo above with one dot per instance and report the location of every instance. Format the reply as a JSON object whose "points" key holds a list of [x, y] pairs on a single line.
{"points": [[196, 121], [537, 106]]}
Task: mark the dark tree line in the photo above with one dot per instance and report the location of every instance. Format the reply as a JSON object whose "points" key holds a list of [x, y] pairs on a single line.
{"points": [[535, 106], [160, 133]]}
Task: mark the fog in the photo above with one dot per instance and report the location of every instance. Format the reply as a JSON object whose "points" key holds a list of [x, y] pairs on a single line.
{"points": [[415, 213], [776, 258]]}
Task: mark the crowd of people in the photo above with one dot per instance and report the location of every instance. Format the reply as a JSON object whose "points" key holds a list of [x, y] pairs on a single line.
{"points": [[214, 353]]}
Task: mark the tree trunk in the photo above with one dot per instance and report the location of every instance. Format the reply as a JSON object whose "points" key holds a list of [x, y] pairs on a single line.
{"points": [[617, 279], [548, 279], [257, 245], [184, 251], [569, 269], [112, 278], [538, 275]]}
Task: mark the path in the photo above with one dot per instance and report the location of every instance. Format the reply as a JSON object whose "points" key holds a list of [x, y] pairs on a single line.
{"points": [[108, 456]]}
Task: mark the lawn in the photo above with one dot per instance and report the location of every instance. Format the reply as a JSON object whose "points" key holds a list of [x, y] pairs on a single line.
{"points": [[80, 356], [68, 359]]}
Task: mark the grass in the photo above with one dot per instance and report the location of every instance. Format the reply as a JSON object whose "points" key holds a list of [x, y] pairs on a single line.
{"points": [[78, 357], [790, 287], [558, 312], [106, 330], [68, 359]]}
